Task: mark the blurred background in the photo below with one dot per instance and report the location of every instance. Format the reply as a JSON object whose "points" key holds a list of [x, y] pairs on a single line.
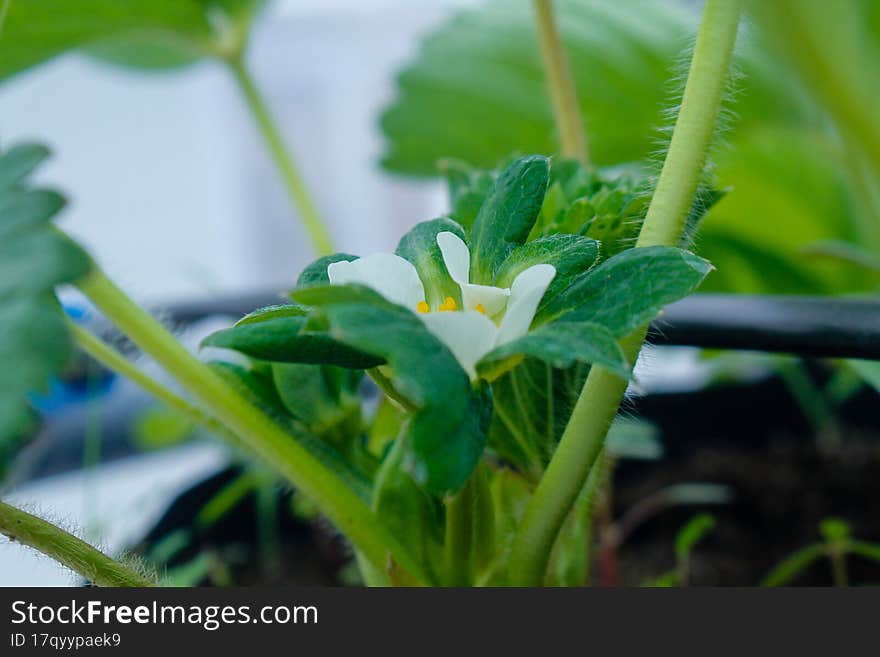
{"points": [[173, 190]]}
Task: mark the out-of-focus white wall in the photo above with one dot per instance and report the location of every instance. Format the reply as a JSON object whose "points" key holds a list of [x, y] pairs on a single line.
{"points": [[170, 184]]}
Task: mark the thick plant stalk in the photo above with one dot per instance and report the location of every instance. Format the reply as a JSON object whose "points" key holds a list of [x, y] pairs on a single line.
{"points": [[584, 436], [569, 126], [257, 431], [67, 549], [293, 180]]}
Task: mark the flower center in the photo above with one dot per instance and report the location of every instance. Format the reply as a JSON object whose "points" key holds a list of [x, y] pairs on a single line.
{"points": [[448, 305]]}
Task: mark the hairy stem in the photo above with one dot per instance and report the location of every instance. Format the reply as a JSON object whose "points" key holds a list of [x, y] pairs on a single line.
{"points": [[67, 549], [584, 436], [569, 126], [293, 180], [258, 432], [113, 360]]}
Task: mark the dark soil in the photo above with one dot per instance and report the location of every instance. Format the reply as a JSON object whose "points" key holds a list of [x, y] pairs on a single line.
{"points": [[780, 495]]}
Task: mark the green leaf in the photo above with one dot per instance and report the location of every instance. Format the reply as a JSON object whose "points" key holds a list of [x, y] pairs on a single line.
{"points": [[477, 90], [562, 344], [19, 161], [316, 273], [34, 258], [572, 255], [257, 385], [413, 517], [532, 404], [507, 215], [447, 432], [323, 398], [629, 289], [510, 495], [273, 312], [135, 33], [419, 246], [285, 339]]}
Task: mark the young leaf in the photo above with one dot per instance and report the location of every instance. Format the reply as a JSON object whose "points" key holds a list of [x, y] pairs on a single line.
{"points": [[629, 289], [507, 215], [571, 255], [316, 272], [419, 246]]}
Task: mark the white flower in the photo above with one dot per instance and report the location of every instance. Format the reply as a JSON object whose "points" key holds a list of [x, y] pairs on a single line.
{"points": [[491, 316]]}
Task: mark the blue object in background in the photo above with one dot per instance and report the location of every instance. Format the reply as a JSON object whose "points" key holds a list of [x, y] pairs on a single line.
{"points": [[81, 385]]}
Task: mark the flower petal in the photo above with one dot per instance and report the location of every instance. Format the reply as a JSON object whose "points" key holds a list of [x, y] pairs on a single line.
{"points": [[386, 273], [456, 256], [469, 335], [492, 299], [525, 295]]}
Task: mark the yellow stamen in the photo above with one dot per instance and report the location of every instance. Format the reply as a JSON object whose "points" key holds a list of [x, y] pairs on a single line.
{"points": [[448, 304], [480, 309], [423, 307]]}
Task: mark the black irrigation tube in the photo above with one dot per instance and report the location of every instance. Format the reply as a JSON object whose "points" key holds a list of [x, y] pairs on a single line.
{"points": [[822, 327]]}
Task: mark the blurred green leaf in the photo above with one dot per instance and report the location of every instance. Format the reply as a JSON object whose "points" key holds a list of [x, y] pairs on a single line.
{"points": [[477, 90], [34, 258], [135, 33]]}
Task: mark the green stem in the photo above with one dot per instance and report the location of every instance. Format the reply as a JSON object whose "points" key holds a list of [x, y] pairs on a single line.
{"points": [[113, 360], [263, 436], [67, 549], [385, 385], [293, 181], [572, 139], [458, 543], [584, 436]]}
